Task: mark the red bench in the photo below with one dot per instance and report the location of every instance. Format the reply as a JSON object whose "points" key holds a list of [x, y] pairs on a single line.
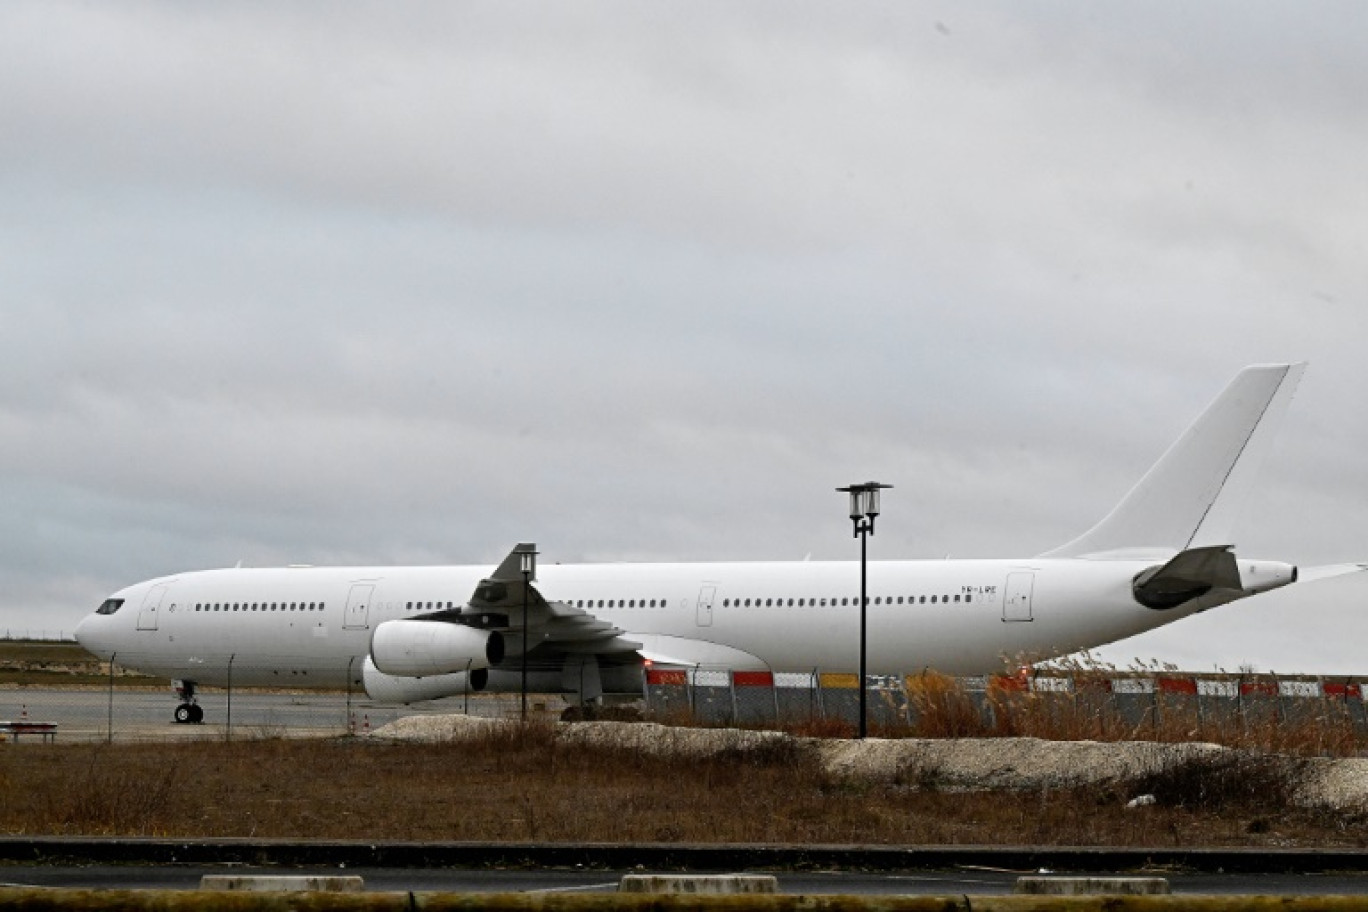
{"points": [[45, 730]]}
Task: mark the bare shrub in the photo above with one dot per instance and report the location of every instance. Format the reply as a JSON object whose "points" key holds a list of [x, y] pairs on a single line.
{"points": [[1226, 781], [113, 798], [943, 708]]}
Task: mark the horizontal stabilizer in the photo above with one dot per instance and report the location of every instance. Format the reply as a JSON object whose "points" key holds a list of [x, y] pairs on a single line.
{"points": [[1188, 575]]}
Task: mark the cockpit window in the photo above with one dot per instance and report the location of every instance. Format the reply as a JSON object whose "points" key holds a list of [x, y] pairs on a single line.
{"points": [[110, 606]]}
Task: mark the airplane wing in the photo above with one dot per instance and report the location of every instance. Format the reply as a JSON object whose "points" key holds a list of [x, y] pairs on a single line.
{"points": [[552, 627]]}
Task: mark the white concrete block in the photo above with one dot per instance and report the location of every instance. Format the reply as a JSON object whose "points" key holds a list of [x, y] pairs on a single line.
{"points": [[283, 884], [698, 883], [1092, 886]]}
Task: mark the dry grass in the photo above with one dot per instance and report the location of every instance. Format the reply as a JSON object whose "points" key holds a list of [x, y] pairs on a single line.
{"points": [[526, 784], [43, 663], [943, 708]]}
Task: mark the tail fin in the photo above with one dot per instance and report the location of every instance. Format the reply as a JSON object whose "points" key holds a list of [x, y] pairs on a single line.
{"points": [[1192, 496]]}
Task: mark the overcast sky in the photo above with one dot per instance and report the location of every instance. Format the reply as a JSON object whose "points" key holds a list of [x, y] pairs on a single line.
{"points": [[408, 283]]}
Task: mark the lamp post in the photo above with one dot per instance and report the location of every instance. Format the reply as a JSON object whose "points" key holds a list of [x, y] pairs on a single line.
{"points": [[528, 565], [864, 507]]}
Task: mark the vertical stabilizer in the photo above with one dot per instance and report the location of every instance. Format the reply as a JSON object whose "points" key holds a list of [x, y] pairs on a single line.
{"points": [[1192, 496]]}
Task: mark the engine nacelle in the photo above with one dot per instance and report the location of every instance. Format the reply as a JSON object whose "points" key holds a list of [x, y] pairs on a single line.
{"points": [[412, 648], [383, 688], [1261, 576]]}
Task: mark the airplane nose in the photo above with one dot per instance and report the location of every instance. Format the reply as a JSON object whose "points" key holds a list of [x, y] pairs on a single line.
{"points": [[87, 635]]}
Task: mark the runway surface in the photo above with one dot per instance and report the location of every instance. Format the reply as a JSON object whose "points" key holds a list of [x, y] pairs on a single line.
{"points": [[187, 877], [135, 715]]}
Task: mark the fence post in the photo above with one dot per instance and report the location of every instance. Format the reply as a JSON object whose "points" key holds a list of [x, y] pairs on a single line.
{"points": [[109, 735], [1240, 707], [350, 727], [466, 687], [646, 690], [731, 688], [774, 692], [693, 696], [228, 729]]}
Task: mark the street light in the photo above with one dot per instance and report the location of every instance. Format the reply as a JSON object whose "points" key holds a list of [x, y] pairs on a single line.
{"points": [[864, 507], [528, 565]]}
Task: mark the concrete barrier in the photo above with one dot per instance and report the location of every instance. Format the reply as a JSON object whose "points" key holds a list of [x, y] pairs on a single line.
{"points": [[1091, 886], [37, 899], [715, 884], [282, 884]]}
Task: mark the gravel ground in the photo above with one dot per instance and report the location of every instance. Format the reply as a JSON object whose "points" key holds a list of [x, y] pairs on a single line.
{"points": [[965, 763]]}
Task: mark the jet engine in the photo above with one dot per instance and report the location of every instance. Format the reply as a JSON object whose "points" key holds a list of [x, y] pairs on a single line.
{"points": [[383, 688], [413, 648]]}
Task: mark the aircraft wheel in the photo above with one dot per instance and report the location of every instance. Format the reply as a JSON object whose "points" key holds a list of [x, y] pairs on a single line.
{"points": [[185, 713], [196, 713]]}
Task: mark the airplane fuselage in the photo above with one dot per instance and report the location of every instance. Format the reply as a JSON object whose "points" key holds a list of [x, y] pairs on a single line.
{"points": [[312, 626]]}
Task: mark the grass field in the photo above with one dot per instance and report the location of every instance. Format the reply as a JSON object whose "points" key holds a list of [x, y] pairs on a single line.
{"points": [[43, 663], [523, 784]]}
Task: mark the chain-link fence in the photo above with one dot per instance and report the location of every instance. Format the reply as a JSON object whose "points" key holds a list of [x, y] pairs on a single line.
{"points": [[115, 703], [111, 701]]}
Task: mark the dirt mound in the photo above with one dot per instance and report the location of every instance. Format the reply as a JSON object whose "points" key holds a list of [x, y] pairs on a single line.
{"points": [[968, 764]]}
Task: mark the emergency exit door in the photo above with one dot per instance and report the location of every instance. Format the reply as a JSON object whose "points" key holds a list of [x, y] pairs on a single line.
{"points": [[357, 615], [1016, 606]]}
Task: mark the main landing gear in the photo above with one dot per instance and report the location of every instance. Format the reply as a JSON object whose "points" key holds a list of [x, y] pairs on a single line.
{"points": [[189, 712]]}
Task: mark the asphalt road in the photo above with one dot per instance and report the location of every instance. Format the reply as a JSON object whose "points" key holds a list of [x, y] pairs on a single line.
{"points": [[974, 882]]}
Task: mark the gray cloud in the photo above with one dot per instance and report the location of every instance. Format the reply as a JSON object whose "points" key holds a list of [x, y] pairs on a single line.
{"points": [[286, 284]]}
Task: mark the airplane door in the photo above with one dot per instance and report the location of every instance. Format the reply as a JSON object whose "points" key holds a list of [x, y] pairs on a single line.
{"points": [[705, 605], [357, 615], [151, 607], [1016, 606]]}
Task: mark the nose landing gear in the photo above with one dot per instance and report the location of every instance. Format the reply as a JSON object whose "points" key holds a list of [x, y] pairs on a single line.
{"points": [[189, 711]]}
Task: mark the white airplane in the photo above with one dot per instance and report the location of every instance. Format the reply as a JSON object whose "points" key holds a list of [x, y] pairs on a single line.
{"points": [[407, 634]]}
